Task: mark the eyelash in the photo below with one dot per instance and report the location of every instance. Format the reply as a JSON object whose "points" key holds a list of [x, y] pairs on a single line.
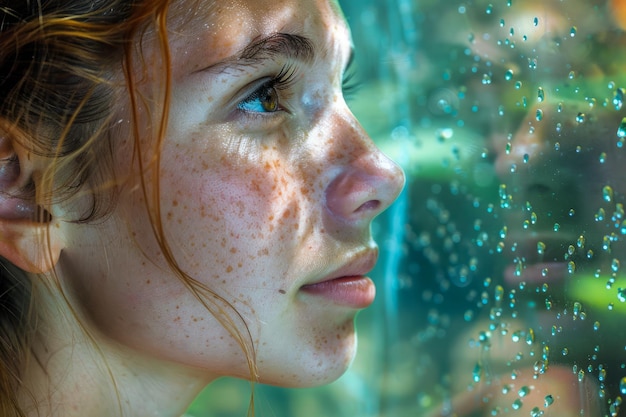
{"points": [[281, 82], [284, 80]]}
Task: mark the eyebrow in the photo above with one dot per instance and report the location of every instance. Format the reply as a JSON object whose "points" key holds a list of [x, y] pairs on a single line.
{"points": [[286, 45]]}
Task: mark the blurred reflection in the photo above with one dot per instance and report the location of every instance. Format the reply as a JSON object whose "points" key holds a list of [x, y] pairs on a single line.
{"points": [[527, 272]]}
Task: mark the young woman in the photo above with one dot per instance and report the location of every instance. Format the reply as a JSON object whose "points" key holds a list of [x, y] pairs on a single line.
{"points": [[184, 195]]}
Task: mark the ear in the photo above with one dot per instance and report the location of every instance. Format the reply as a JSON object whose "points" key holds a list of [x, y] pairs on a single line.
{"points": [[29, 236]]}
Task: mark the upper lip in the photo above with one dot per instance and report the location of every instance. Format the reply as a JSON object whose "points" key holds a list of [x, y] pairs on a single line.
{"points": [[357, 264]]}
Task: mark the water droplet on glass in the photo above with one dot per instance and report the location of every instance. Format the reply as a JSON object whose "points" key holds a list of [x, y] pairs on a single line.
{"points": [[580, 118], [501, 23], [603, 157], [615, 265], [572, 31], [540, 94], [530, 337], [548, 400], [618, 98], [517, 404], [622, 386], [580, 242], [535, 21], [486, 79], [571, 75], [596, 326], [541, 247], [621, 295], [539, 115], [607, 193], [477, 372], [523, 391], [508, 75], [489, 9], [536, 412], [571, 267], [621, 130], [571, 250], [576, 308], [556, 227], [565, 351], [518, 85], [557, 146], [599, 216]]}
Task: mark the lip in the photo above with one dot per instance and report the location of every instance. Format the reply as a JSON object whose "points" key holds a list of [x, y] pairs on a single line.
{"points": [[348, 285], [538, 273]]}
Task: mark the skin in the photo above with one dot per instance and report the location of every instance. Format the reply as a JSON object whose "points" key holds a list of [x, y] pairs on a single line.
{"points": [[254, 206]]}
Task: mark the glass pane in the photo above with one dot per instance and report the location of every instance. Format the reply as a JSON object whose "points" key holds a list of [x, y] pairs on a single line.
{"points": [[501, 285]]}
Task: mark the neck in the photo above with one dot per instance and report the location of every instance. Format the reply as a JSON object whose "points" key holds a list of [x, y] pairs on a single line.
{"points": [[75, 374]]}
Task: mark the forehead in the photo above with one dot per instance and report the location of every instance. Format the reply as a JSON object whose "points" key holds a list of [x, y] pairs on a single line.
{"points": [[223, 27]]}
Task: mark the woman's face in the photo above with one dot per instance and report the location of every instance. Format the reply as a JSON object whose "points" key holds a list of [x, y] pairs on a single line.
{"points": [[268, 185]]}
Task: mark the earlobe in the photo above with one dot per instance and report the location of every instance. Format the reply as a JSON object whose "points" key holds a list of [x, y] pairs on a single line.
{"points": [[28, 236], [31, 246]]}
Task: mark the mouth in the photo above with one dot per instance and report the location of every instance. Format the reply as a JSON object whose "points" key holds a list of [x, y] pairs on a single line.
{"points": [[347, 286], [540, 258]]}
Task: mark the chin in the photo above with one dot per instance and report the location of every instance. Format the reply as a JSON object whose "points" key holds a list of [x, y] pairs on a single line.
{"points": [[313, 369]]}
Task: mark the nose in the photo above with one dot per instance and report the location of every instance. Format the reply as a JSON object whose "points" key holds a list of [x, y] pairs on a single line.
{"points": [[365, 181]]}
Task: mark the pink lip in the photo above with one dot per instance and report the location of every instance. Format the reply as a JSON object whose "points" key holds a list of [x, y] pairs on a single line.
{"points": [[348, 286]]}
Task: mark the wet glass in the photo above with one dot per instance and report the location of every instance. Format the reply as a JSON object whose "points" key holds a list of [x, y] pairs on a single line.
{"points": [[502, 280]]}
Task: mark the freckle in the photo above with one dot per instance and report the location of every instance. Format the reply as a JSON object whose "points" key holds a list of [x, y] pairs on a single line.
{"points": [[148, 281], [239, 265], [233, 250], [175, 203], [229, 269], [282, 291]]}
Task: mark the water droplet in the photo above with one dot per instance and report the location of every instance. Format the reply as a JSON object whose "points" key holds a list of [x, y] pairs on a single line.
{"points": [[539, 115], [607, 193], [603, 156], [565, 351], [599, 216], [523, 391], [557, 146], [477, 372], [596, 326], [507, 149], [517, 404], [572, 31], [540, 94], [571, 250], [489, 9], [622, 386], [486, 79], [556, 227], [581, 375], [541, 247], [571, 75], [571, 267], [621, 295], [615, 265], [526, 157], [518, 85], [536, 412], [576, 308], [548, 400], [580, 118], [535, 21], [530, 337], [501, 23], [618, 98], [508, 75], [580, 242], [621, 130], [533, 218]]}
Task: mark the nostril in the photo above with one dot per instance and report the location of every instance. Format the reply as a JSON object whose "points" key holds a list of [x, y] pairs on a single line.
{"points": [[371, 205]]}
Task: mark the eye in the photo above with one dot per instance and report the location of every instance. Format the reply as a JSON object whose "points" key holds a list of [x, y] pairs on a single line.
{"points": [[263, 100]]}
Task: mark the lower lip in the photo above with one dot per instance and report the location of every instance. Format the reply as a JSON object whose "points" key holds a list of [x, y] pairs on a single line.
{"points": [[354, 291], [546, 272]]}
